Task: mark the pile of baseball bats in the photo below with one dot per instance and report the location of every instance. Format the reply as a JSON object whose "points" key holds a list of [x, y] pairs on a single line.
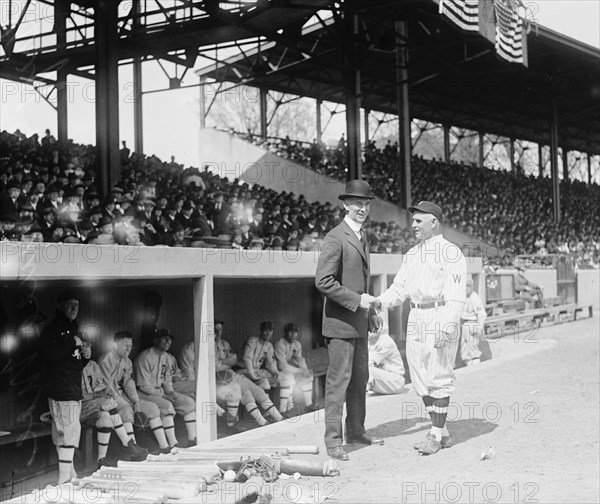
{"points": [[184, 475]]}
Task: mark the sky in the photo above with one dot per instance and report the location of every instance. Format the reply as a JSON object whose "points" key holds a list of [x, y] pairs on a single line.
{"points": [[171, 118]]}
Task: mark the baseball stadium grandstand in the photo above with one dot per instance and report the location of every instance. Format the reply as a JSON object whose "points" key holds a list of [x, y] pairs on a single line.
{"points": [[160, 250]]}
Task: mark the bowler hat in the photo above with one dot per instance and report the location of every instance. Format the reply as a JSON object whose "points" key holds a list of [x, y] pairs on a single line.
{"points": [[357, 189], [429, 208]]}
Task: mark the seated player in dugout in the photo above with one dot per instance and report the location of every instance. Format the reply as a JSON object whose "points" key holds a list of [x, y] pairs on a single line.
{"points": [[102, 407], [386, 369], [118, 369], [225, 360], [155, 384], [289, 358], [258, 360], [228, 394]]}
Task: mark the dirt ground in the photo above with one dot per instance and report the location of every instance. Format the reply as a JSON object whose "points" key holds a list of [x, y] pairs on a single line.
{"points": [[536, 405], [533, 410]]}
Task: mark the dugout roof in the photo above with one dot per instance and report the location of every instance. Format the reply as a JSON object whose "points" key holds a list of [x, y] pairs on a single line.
{"points": [[455, 78]]}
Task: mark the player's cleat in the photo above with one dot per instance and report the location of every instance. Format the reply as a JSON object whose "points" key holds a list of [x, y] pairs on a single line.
{"points": [[364, 439], [446, 442], [191, 443], [430, 446], [137, 452], [102, 462], [338, 453]]}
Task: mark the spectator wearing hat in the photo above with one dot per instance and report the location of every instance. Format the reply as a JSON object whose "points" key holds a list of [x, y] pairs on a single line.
{"points": [[288, 355], [343, 277], [52, 197], [64, 356], [246, 234], [105, 225], [220, 213], [257, 226], [9, 198], [109, 207], [155, 383]]}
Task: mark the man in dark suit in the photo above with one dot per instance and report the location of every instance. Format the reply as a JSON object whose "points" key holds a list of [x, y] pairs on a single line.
{"points": [[343, 278]]}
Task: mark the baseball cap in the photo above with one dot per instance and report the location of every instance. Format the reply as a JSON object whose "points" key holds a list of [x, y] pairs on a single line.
{"points": [[265, 326], [165, 332], [290, 327], [429, 208], [67, 295]]}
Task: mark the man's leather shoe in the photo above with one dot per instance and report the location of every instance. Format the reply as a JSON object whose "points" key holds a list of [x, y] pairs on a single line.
{"points": [[364, 439], [338, 453]]}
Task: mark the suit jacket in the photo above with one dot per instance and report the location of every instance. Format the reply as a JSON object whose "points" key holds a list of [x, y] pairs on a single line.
{"points": [[342, 276]]}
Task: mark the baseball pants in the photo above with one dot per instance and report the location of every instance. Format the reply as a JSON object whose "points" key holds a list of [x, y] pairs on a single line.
{"points": [[431, 369]]}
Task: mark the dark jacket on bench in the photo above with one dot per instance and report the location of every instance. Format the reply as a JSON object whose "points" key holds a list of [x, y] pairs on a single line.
{"points": [[63, 362]]}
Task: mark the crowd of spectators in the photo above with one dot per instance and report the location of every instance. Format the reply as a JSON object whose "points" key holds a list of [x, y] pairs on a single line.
{"points": [[49, 193], [512, 212]]}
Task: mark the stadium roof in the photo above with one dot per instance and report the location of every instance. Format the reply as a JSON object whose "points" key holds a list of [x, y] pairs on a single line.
{"points": [[455, 78]]}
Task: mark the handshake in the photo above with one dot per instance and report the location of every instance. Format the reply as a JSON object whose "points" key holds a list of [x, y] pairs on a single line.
{"points": [[367, 301]]}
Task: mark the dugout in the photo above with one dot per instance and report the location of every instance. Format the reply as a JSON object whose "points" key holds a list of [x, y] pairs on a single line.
{"points": [[117, 286]]}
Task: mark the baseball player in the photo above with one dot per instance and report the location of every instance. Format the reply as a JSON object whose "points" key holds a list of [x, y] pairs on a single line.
{"points": [[386, 369], [154, 383], [118, 368], [288, 355], [472, 324], [225, 359], [433, 275], [106, 410], [228, 395], [64, 356]]}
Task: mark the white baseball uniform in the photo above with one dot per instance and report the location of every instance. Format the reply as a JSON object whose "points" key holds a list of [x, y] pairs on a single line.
{"points": [[473, 321], [433, 275], [386, 369], [119, 371]]}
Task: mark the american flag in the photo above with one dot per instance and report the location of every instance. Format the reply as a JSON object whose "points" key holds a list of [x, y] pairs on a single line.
{"points": [[465, 13], [509, 31]]}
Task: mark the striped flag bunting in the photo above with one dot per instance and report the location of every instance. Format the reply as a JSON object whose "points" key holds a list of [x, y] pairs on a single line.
{"points": [[465, 13], [509, 31]]}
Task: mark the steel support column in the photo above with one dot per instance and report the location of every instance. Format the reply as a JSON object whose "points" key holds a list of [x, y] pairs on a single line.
{"points": [[589, 166], [554, 164], [446, 143], [565, 163], [352, 94], [319, 123], [263, 113], [202, 111], [138, 107], [366, 113], [107, 94], [61, 11], [481, 144], [138, 96], [402, 104], [511, 150]]}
